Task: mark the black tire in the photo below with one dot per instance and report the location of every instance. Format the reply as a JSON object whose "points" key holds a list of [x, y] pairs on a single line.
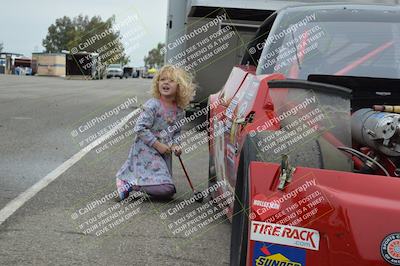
{"points": [[212, 177], [240, 221]]}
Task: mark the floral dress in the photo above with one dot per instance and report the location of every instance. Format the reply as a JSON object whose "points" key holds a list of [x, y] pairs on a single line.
{"points": [[145, 165]]}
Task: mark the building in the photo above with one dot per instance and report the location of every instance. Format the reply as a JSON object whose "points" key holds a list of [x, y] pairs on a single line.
{"points": [[7, 61], [49, 64]]}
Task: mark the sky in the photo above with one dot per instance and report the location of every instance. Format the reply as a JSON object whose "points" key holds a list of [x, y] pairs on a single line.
{"points": [[24, 33]]}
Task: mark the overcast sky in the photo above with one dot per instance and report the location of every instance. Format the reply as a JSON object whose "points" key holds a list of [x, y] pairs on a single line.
{"points": [[24, 23]]}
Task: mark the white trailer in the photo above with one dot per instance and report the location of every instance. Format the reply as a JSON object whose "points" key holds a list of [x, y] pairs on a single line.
{"points": [[185, 38]]}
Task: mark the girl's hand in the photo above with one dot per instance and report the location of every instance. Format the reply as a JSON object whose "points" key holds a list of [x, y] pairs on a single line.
{"points": [[176, 149], [161, 147]]}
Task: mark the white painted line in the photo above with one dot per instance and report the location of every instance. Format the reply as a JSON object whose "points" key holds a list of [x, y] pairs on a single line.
{"points": [[20, 200]]}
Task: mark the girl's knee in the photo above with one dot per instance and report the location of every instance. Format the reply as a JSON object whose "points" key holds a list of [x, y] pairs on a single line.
{"points": [[164, 191], [165, 195]]}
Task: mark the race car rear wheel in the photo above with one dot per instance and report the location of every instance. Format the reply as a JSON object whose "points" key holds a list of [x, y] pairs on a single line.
{"points": [[212, 177], [240, 221]]}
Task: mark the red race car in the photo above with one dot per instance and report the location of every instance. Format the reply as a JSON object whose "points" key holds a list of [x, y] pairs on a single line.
{"points": [[305, 135]]}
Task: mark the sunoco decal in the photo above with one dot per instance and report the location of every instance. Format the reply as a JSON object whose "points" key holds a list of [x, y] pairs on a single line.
{"points": [[285, 235], [390, 248], [266, 254]]}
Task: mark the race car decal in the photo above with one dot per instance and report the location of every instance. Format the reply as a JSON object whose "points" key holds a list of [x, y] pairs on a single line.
{"points": [[242, 109], [232, 134], [303, 202], [228, 125], [219, 150], [285, 235], [390, 249], [266, 254], [230, 153], [231, 108], [265, 207]]}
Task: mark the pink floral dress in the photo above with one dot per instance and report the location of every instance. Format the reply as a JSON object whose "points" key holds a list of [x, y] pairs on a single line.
{"points": [[145, 165]]}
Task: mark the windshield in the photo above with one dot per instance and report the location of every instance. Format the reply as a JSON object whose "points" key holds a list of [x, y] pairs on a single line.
{"points": [[314, 44]]}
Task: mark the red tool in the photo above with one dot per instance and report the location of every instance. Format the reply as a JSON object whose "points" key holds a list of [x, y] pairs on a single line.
{"points": [[197, 195]]}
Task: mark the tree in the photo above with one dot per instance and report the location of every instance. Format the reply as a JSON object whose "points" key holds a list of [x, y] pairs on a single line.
{"points": [[90, 35], [155, 57], [60, 35]]}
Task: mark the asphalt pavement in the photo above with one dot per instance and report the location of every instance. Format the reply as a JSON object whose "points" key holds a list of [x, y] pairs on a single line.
{"points": [[75, 220]]}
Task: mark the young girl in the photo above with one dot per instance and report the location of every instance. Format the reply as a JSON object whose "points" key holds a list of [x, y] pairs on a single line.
{"points": [[149, 165]]}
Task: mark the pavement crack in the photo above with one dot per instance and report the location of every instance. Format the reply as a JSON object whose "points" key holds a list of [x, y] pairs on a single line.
{"points": [[12, 230], [71, 232]]}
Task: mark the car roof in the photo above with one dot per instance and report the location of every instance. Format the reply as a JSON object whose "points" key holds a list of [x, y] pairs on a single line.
{"points": [[338, 11], [339, 5]]}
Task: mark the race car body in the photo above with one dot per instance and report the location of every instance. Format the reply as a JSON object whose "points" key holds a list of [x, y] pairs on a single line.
{"points": [[305, 133]]}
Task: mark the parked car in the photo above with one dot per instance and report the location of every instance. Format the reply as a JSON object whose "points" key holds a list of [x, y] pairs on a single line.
{"points": [[114, 70], [306, 134], [128, 72], [149, 73]]}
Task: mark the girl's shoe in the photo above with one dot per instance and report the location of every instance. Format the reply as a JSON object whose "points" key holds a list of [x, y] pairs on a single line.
{"points": [[123, 195], [123, 188]]}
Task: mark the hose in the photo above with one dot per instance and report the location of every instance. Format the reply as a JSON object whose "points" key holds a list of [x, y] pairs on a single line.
{"points": [[360, 154]]}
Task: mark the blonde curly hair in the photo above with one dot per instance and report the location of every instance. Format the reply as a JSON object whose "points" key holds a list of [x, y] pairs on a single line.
{"points": [[186, 88]]}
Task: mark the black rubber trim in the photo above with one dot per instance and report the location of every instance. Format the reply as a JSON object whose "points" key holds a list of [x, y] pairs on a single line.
{"points": [[308, 85]]}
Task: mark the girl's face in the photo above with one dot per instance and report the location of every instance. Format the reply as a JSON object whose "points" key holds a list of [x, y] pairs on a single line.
{"points": [[167, 86]]}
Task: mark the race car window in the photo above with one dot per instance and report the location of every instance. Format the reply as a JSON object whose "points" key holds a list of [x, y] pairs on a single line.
{"points": [[255, 47], [312, 109], [340, 46]]}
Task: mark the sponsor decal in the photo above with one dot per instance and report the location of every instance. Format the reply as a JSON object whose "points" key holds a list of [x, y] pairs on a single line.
{"points": [[285, 235], [303, 202], [231, 108], [219, 150], [233, 132], [267, 254], [242, 109], [230, 153], [228, 125], [390, 249], [265, 207], [266, 204]]}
